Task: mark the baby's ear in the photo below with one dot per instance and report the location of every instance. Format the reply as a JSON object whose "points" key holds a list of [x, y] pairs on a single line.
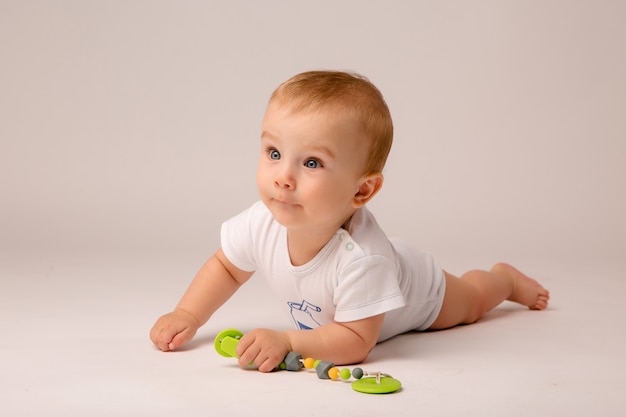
{"points": [[369, 186]]}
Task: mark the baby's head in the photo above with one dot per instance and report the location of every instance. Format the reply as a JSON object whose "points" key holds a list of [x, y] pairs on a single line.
{"points": [[346, 95]]}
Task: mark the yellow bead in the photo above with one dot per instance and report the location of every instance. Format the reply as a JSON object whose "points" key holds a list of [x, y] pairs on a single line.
{"points": [[308, 363], [333, 373]]}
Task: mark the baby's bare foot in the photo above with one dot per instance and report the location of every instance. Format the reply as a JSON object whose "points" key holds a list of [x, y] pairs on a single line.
{"points": [[526, 290]]}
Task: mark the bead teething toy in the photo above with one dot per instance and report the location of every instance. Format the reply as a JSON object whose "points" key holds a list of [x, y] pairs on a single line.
{"points": [[367, 382]]}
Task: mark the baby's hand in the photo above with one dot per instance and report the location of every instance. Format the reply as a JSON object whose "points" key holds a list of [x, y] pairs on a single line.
{"points": [[265, 348], [173, 329]]}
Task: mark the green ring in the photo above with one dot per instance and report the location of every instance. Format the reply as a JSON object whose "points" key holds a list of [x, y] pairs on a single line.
{"points": [[234, 333], [370, 386]]}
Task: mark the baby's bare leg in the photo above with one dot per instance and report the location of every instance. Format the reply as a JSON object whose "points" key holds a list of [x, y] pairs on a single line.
{"points": [[468, 298]]}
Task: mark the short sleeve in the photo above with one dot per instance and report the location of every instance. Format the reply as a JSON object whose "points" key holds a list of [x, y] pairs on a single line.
{"points": [[237, 240], [368, 287]]}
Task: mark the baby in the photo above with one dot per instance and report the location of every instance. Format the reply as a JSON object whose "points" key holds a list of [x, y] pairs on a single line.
{"points": [[324, 142]]}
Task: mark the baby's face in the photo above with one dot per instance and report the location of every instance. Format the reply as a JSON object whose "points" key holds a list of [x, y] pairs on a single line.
{"points": [[310, 167]]}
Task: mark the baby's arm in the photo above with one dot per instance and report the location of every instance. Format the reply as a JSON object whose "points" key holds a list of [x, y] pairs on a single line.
{"points": [[214, 284], [340, 343]]}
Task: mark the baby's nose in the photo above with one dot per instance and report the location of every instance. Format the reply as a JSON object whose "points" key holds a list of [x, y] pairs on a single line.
{"points": [[285, 179]]}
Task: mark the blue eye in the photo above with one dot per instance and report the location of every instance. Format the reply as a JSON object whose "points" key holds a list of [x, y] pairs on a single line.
{"points": [[274, 154], [312, 163]]}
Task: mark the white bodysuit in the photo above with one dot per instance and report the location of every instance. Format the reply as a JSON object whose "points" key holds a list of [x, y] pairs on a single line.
{"points": [[359, 273]]}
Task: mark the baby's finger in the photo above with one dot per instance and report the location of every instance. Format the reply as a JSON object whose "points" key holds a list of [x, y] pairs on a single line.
{"points": [[163, 340], [155, 334], [248, 358], [244, 343], [247, 353], [180, 339], [267, 365]]}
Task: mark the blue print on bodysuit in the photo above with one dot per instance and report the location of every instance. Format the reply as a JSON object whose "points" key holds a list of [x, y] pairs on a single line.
{"points": [[302, 314]]}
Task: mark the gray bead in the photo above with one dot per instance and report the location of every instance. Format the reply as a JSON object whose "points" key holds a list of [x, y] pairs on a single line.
{"points": [[322, 369], [293, 361]]}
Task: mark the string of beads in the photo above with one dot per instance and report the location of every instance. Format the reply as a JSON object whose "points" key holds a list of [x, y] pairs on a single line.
{"points": [[325, 370], [226, 345]]}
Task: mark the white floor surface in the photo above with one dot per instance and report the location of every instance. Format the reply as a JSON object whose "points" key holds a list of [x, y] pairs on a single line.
{"points": [[76, 344]]}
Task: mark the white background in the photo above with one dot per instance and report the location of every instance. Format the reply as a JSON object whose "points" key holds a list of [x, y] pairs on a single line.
{"points": [[129, 130], [135, 125]]}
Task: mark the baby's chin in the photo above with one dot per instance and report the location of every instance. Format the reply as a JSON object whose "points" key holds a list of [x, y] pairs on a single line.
{"points": [[286, 214]]}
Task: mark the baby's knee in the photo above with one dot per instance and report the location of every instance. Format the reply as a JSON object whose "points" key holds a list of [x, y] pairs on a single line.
{"points": [[500, 268], [475, 313], [477, 307]]}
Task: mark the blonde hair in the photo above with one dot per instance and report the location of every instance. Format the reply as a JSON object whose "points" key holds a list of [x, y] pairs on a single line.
{"points": [[350, 93]]}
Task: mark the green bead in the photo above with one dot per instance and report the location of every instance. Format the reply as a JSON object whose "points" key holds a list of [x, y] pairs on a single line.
{"points": [[357, 373], [282, 366], [345, 373], [317, 362]]}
